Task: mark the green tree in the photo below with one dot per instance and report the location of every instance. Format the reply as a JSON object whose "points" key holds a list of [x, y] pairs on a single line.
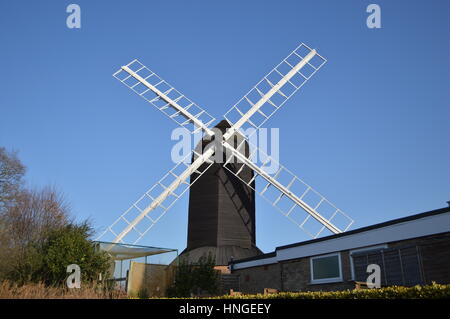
{"points": [[38, 239], [71, 245]]}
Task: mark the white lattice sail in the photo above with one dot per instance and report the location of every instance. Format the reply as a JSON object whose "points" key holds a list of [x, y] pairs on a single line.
{"points": [[285, 79], [144, 213], [295, 199], [152, 88], [290, 195]]}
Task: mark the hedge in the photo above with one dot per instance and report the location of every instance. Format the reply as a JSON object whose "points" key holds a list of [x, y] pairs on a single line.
{"points": [[433, 291]]}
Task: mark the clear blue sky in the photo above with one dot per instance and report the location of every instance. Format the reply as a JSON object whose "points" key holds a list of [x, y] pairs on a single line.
{"points": [[370, 131]]}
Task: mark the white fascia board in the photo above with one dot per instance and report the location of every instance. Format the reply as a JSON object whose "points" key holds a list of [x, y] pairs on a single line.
{"points": [[255, 263], [410, 229], [425, 226]]}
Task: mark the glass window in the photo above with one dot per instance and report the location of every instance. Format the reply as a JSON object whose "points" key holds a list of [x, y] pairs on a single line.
{"points": [[399, 266], [326, 268]]}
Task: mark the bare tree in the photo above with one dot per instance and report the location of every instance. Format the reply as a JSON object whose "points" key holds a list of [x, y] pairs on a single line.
{"points": [[34, 214], [11, 173], [26, 216], [38, 239], [25, 226]]}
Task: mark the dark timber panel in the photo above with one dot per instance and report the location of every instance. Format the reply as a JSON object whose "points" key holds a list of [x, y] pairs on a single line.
{"points": [[222, 213], [203, 222]]}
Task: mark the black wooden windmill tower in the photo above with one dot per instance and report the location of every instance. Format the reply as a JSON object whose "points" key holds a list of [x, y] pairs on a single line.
{"points": [[222, 213]]}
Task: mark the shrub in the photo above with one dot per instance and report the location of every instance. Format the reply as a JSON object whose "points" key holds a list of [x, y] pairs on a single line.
{"points": [[195, 278], [71, 245], [25, 225], [433, 291]]}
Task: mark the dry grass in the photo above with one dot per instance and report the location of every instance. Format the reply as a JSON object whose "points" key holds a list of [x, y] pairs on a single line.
{"points": [[40, 291]]}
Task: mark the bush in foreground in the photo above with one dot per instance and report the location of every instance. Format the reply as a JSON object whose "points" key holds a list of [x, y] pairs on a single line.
{"points": [[433, 291], [71, 245]]}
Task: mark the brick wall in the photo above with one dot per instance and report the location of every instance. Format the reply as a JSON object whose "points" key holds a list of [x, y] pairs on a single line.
{"points": [[255, 279], [295, 275], [291, 275]]}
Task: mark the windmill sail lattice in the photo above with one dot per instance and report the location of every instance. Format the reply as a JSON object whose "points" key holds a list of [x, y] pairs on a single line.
{"points": [[143, 214], [253, 110], [152, 88], [290, 195], [285, 80]]}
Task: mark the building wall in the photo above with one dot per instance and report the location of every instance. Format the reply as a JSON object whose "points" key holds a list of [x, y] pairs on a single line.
{"points": [[295, 275], [434, 252], [255, 279], [436, 260], [151, 280]]}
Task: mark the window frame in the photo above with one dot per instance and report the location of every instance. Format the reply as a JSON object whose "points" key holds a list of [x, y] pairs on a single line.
{"points": [[361, 250], [325, 280]]}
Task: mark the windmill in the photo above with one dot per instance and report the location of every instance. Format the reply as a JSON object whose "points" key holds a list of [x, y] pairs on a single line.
{"points": [[295, 199]]}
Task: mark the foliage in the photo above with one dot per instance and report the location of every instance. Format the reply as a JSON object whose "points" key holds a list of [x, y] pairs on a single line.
{"points": [[183, 282], [433, 291], [47, 261], [37, 237], [25, 227], [195, 278], [71, 245]]}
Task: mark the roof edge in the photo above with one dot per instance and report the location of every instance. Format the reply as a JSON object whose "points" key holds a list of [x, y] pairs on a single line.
{"points": [[370, 227], [348, 233]]}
